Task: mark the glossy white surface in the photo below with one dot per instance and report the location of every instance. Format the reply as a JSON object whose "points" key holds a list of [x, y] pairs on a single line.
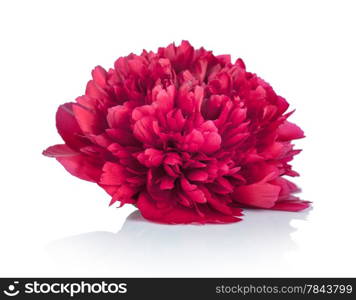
{"points": [[52, 224]]}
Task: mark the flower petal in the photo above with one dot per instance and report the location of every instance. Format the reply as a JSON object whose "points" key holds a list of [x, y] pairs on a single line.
{"points": [[291, 205], [261, 194], [113, 174], [178, 214], [81, 166], [68, 127], [289, 131], [59, 151]]}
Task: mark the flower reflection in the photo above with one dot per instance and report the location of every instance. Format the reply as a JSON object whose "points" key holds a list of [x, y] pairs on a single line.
{"points": [[255, 247]]}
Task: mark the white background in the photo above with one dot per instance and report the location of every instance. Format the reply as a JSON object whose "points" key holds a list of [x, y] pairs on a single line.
{"points": [[52, 224]]}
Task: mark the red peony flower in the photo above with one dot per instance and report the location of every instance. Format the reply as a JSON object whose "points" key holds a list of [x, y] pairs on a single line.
{"points": [[186, 136]]}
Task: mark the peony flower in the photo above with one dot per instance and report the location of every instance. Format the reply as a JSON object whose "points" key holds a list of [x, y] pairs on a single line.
{"points": [[184, 135]]}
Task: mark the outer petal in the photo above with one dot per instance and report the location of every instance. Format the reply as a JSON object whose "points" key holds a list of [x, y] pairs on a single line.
{"points": [[179, 214], [59, 151], [291, 205], [68, 127], [289, 131], [261, 194], [88, 116], [113, 174], [81, 166]]}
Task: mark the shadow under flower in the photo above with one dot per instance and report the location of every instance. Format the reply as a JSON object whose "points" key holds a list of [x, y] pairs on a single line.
{"points": [[254, 247]]}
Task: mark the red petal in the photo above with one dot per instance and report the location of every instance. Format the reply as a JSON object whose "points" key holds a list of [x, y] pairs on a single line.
{"points": [[193, 141], [260, 194], [68, 127], [122, 137], [220, 203], [87, 116], [164, 100], [99, 76], [179, 214], [150, 157], [196, 196], [113, 174], [118, 116], [291, 205], [124, 194], [197, 175], [167, 183], [59, 151], [81, 166], [144, 130], [289, 131]]}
